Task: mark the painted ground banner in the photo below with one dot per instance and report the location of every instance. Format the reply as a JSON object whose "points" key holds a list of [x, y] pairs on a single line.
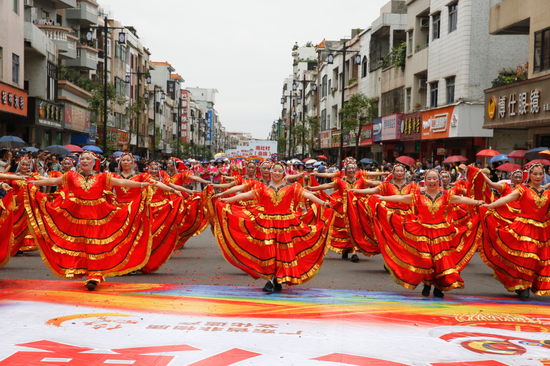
{"points": [[57, 323]]}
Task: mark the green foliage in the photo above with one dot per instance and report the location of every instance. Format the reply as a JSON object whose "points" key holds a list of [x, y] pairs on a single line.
{"points": [[352, 80], [358, 111], [310, 44], [72, 75], [510, 76], [397, 57], [281, 147]]}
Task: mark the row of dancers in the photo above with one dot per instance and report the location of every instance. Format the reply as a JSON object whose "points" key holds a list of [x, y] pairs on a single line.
{"points": [[279, 227]]}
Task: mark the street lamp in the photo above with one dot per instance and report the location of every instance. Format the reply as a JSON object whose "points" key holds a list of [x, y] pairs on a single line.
{"points": [[357, 61], [162, 97], [121, 40], [148, 81]]}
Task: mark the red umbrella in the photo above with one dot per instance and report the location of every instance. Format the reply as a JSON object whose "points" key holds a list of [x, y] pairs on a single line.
{"points": [[538, 161], [509, 167], [407, 160], [517, 154], [322, 157], [455, 159], [487, 153], [74, 148]]}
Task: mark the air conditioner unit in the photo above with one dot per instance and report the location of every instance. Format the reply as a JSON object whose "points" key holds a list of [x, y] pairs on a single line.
{"points": [[422, 83], [28, 3], [424, 23]]}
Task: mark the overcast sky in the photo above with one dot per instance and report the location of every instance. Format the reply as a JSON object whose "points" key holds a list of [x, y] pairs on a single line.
{"points": [[242, 48]]}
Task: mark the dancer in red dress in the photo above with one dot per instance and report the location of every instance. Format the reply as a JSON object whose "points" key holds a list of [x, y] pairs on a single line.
{"points": [[428, 247], [6, 219], [341, 241], [81, 234], [519, 252], [276, 244]]}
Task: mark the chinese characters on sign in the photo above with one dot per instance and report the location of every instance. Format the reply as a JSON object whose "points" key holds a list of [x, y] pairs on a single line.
{"points": [[521, 104], [13, 100]]}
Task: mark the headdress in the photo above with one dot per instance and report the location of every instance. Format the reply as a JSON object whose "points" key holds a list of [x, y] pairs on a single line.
{"points": [[96, 163], [120, 160]]}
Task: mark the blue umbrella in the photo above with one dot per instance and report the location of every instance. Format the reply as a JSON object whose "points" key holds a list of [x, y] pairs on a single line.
{"points": [[58, 150], [367, 161], [318, 163], [93, 148], [11, 141], [29, 148], [533, 154], [118, 153], [499, 157]]}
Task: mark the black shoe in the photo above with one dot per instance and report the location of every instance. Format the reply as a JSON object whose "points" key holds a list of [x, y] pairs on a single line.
{"points": [[278, 287], [345, 254], [268, 287], [354, 258], [438, 293], [426, 290], [523, 294], [91, 285], [19, 253]]}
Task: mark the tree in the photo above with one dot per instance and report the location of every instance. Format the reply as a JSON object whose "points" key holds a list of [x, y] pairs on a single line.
{"points": [[358, 111], [133, 111], [307, 130], [96, 106], [281, 147]]}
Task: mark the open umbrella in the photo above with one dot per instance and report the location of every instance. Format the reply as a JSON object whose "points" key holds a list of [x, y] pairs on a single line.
{"points": [[545, 154], [311, 161], [538, 161], [455, 159], [487, 153], [367, 161], [499, 157], [29, 149], [92, 148], [517, 154], [322, 157], [11, 141], [74, 148], [58, 150], [318, 163], [407, 160], [117, 153], [509, 167], [534, 153]]}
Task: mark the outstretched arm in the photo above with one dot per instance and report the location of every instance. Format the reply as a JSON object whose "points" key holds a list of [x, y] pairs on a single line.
{"points": [[48, 182], [11, 176], [322, 187], [466, 201], [374, 190], [224, 186], [243, 196], [502, 201], [406, 198], [199, 179], [235, 189], [310, 196], [324, 175]]}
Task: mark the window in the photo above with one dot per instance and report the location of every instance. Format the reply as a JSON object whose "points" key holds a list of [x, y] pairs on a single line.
{"points": [[15, 69], [433, 94], [409, 42], [542, 51], [364, 67], [1, 61], [16, 6], [408, 100], [52, 82], [324, 86], [450, 82], [453, 17], [323, 120], [436, 22]]}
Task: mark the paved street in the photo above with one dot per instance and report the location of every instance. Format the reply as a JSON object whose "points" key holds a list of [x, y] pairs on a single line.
{"points": [[200, 263]]}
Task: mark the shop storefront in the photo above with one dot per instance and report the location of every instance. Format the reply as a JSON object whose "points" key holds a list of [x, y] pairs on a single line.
{"points": [[13, 111], [390, 136], [519, 113], [453, 130]]}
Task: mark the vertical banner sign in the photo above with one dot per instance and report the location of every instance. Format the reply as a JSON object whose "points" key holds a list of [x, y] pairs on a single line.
{"points": [[209, 131], [171, 88]]}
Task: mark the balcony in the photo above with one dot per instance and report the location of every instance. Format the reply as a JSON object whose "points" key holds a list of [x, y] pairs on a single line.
{"points": [[59, 36], [35, 40], [351, 89], [86, 58], [85, 12], [64, 4], [392, 78]]}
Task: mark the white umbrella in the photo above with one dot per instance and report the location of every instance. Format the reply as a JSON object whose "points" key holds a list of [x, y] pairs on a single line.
{"points": [[311, 161]]}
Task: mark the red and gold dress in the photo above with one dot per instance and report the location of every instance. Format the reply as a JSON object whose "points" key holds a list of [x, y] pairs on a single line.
{"points": [[192, 218], [22, 238], [519, 252], [82, 234], [274, 241], [427, 247], [359, 221], [340, 239], [6, 223]]}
